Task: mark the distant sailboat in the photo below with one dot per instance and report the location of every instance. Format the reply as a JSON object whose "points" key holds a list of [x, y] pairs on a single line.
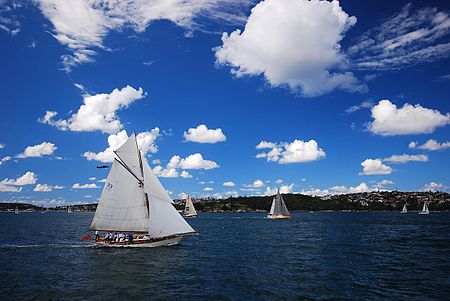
{"points": [[278, 209], [133, 201], [189, 209], [69, 210], [16, 211], [424, 209], [404, 210]]}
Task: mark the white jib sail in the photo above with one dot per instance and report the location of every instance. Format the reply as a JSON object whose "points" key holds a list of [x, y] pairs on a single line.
{"points": [[122, 205], [272, 209], [164, 219]]}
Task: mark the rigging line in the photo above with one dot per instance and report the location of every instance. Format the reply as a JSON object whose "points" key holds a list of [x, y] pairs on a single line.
{"points": [[147, 204], [140, 157], [127, 168]]}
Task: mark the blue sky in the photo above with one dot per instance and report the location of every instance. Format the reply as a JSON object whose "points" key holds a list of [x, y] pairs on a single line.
{"points": [[313, 97]]}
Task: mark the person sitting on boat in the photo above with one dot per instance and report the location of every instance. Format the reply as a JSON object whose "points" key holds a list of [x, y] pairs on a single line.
{"points": [[97, 236], [130, 238]]}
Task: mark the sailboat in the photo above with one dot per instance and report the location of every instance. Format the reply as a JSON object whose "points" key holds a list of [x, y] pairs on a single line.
{"points": [[17, 210], [404, 210], [278, 209], [69, 210], [424, 209], [189, 209], [133, 201]]}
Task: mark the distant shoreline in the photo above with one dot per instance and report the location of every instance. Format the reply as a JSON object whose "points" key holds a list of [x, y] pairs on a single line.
{"points": [[355, 202]]}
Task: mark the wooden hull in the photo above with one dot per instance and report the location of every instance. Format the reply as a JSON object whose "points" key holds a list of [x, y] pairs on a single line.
{"points": [[142, 243], [278, 216]]}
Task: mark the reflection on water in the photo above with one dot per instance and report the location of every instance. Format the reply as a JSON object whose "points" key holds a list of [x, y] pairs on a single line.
{"points": [[237, 256]]}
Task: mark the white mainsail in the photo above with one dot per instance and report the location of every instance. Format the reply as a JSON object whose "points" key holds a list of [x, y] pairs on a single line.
{"points": [[122, 205], [133, 199], [189, 209], [424, 209], [404, 210], [278, 208]]}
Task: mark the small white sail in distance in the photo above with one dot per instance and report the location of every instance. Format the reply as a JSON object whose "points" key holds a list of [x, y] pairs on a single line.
{"points": [[189, 209], [425, 209], [405, 209], [134, 200]]}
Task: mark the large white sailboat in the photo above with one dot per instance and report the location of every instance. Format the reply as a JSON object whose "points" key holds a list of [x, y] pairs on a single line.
{"points": [[424, 209], [135, 206], [189, 209], [278, 209], [404, 210]]}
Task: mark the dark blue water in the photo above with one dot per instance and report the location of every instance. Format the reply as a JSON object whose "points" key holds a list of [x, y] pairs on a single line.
{"points": [[237, 256]]}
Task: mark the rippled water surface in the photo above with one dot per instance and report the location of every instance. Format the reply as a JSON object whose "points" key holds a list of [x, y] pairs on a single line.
{"points": [[236, 256]]}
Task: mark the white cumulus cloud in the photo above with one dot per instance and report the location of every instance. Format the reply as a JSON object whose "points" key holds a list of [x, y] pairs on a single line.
{"points": [[283, 189], [46, 188], [298, 151], [258, 183], [202, 134], [196, 161], [229, 184], [375, 167], [38, 150], [84, 186], [434, 186], [340, 189], [294, 43], [10, 185], [98, 112], [406, 158], [177, 166], [388, 120], [431, 145], [26, 179], [145, 141]]}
